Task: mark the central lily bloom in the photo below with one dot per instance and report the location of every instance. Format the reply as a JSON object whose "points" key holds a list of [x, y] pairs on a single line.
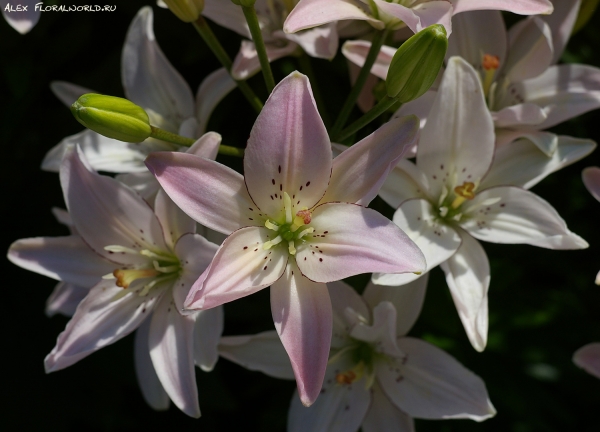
{"points": [[295, 221]]}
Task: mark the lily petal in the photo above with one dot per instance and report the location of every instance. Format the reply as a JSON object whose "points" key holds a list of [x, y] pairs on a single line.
{"points": [[99, 321], [518, 115], [208, 330], [404, 182], [588, 358], [318, 42], [546, 142], [22, 21], [68, 93], [521, 7], [530, 49], [66, 259], [438, 241], [382, 332], [384, 416], [356, 51], [303, 319], [420, 16], [227, 15], [247, 63], [171, 342], [343, 296], [591, 180], [561, 23], [350, 239], [468, 277], [64, 299], [152, 390], [359, 172], [288, 149], [507, 214], [262, 352], [149, 79], [431, 384], [143, 183], [240, 267], [207, 191], [212, 90], [312, 13], [173, 220]]}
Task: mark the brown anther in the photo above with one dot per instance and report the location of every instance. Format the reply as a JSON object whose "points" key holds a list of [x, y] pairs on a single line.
{"points": [[345, 377], [126, 276], [467, 190], [305, 215], [490, 62]]}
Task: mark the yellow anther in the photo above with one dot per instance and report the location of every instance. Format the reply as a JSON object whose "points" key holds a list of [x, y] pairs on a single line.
{"points": [[490, 64], [464, 192], [347, 377], [305, 215]]}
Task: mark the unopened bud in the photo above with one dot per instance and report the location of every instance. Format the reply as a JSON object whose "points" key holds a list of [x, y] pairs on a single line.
{"points": [[112, 117], [416, 64], [186, 10], [247, 3]]}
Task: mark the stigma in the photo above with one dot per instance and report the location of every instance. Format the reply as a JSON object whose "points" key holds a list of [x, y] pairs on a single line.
{"points": [[464, 192]]}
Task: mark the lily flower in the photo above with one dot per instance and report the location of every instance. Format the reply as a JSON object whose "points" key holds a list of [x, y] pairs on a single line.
{"points": [[397, 14], [318, 42], [22, 16], [149, 259], [295, 221], [457, 194], [591, 180], [377, 378], [150, 81]]}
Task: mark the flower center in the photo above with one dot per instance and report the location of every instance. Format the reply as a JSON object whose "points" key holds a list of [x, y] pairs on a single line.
{"points": [[363, 356], [292, 229], [449, 205]]}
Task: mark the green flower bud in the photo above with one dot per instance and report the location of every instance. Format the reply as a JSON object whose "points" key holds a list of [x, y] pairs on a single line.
{"points": [[186, 10], [247, 3], [416, 64], [112, 117]]}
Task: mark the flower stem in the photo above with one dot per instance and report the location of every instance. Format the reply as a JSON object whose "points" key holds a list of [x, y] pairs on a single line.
{"points": [[360, 82], [215, 46], [167, 136], [375, 112], [259, 43]]}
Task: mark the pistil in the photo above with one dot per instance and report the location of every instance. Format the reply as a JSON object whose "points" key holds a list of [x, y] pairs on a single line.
{"points": [[464, 192], [490, 64]]}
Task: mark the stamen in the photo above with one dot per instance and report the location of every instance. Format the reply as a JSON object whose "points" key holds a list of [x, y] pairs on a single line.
{"points": [[291, 248], [287, 203], [271, 225], [117, 248], [490, 64], [268, 245], [443, 211], [306, 231], [152, 284], [464, 192], [126, 276], [167, 269], [156, 256], [108, 276], [305, 215], [352, 375]]}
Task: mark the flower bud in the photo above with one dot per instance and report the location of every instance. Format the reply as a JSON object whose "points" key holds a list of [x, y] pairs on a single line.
{"points": [[186, 10], [112, 117], [416, 64]]}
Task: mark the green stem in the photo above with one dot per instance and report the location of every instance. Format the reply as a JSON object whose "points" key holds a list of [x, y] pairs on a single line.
{"points": [[215, 46], [259, 43], [375, 112], [360, 82], [306, 67], [167, 136]]}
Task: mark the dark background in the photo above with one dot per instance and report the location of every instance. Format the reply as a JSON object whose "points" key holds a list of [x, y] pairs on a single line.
{"points": [[543, 304]]}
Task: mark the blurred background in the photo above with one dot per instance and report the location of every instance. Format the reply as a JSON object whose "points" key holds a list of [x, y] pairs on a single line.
{"points": [[543, 304]]}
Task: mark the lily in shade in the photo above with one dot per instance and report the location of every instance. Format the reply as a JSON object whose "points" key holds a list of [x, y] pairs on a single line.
{"points": [[295, 221]]}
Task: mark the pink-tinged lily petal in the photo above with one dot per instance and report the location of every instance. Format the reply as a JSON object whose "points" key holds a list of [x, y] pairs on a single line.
{"points": [[21, 20], [382, 332], [384, 416], [66, 259], [565, 91], [518, 115], [102, 153], [98, 201], [507, 214], [359, 172], [64, 299], [240, 267], [207, 191], [312, 13], [522, 164], [339, 408], [344, 297], [246, 63], [288, 149], [591, 180], [195, 254], [227, 15], [62, 216], [521, 7], [149, 79], [588, 358], [262, 352], [457, 143], [356, 51], [433, 385], [173, 220], [437, 240], [207, 146], [99, 321], [546, 142], [152, 390], [419, 16], [207, 333], [530, 49], [561, 23], [318, 42], [350, 239], [143, 183], [212, 90], [408, 301], [68, 93], [419, 107], [171, 342], [468, 277], [404, 182], [476, 34]]}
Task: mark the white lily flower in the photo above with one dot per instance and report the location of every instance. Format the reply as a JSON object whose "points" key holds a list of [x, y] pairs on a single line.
{"points": [[150, 81], [139, 264], [457, 193], [376, 378]]}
